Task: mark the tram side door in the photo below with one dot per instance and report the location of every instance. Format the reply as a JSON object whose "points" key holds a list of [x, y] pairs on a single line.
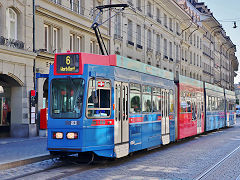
{"points": [[121, 123], [199, 115], [227, 113], [165, 101]]}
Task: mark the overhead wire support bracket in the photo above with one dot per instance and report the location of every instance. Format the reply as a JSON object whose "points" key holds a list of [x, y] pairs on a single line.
{"points": [[95, 25]]}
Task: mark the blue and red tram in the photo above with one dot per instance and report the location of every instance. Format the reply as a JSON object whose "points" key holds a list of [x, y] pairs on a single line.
{"points": [[215, 107], [190, 107], [230, 107], [112, 106]]}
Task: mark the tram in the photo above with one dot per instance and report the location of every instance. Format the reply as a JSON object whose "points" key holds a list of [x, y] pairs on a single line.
{"points": [[112, 106]]}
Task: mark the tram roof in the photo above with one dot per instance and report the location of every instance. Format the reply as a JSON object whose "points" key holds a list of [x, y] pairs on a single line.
{"points": [[228, 92], [134, 65], [190, 81], [213, 88]]}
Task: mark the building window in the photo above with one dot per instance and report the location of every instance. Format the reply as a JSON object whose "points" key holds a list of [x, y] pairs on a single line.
{"points": [[149, 40], [190, 57], [170, 50], [200, 63], [81, 7], [71, 43], [165, 20], [159, 16], [182, 54], [139, 35], [91, 47], [177, 28], [194, 59], [197, 42], [197, 60], [55, 40], [57, 1], [73, 5], [165, 48], [79, 43], [118, 25], [158, 44], [170, 24], [11, 23], [177, 53], [46, 37], [186, 56], [130, 30], [194, 39], [95, 4], [149, 9], [139, 5]]}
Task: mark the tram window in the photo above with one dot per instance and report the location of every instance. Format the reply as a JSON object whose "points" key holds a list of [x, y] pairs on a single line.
{"points": [[209, 103], [67, 98], [183, 104], [171, 101], [156, 100], [146, 99], [189, 109], [216, 103], [135, 98], [101, 107], [221, 104]]}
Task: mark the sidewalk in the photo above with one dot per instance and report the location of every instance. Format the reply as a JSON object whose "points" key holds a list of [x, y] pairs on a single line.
{"points": [[19, 151]]}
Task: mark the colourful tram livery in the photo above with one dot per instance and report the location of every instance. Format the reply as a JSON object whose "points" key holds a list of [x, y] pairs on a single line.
{"points": [[112, 106]]}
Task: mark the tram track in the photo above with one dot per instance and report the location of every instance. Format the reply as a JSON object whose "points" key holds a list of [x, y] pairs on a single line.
{"points": [[210, 170], [69, 167]]}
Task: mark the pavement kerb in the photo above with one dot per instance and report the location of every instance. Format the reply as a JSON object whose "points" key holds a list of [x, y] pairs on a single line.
{"points": [[21, 162]]}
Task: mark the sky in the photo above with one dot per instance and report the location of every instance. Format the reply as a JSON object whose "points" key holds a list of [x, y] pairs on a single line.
{"points": [[226, 12]]}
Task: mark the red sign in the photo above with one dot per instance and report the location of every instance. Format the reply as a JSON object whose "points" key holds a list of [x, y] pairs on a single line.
{"points": [[101, 84], [33, 93]]}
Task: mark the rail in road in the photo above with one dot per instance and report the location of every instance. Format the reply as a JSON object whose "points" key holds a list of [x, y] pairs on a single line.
{"points": [[216, 166]]}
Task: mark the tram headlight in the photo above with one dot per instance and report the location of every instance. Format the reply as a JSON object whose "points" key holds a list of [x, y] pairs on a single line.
{"points": [[72, 135], [57, 135]]}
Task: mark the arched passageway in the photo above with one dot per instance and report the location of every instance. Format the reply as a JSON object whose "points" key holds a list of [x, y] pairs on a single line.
{"points": [[7, 84]]}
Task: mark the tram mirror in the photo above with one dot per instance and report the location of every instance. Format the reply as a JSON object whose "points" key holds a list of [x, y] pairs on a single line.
{"points": [[94, 97]]}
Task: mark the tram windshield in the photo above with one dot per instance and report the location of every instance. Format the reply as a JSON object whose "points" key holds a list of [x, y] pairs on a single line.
{"points": [[67, 98]]}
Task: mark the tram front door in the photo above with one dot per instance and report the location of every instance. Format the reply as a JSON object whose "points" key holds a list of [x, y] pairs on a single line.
{"points": [[121, 124]]}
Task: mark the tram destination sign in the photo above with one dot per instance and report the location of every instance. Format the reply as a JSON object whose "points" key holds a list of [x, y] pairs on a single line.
{"points": [[67, 63]]}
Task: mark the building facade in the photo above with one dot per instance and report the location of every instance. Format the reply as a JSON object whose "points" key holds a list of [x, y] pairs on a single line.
{"points": [[175, 35]]}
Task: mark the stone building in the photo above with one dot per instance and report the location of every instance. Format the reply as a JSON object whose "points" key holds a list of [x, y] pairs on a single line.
{"points": [[16, 67], [176, 35]]}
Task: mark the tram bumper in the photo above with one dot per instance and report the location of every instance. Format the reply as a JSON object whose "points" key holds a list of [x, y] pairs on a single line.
{"points": [[65, 140]]}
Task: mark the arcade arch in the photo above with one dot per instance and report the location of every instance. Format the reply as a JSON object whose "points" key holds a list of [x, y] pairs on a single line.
{"points": [[9, 86]]}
